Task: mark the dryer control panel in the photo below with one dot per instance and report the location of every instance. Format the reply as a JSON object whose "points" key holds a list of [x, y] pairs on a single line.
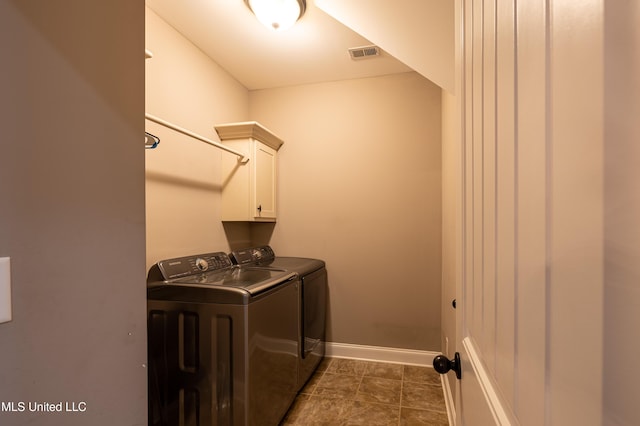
{"points": [[253, 255]]}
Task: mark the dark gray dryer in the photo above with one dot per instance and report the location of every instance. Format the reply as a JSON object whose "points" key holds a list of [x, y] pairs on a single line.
{"points": [[313, 295]]}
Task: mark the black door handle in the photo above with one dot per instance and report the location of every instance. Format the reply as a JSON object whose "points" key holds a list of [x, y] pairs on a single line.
{"points": [[442, 364]]}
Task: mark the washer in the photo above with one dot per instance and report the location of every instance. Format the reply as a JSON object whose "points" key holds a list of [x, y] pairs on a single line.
{"points": [[223, 342], [313, 296]]}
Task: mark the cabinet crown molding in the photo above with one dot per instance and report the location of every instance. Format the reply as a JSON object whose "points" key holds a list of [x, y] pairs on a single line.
{"points": [[248, 129]]}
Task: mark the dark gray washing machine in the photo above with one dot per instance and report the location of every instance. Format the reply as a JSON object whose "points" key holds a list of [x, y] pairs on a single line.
{"points": [[222, 342], [313, 294]]}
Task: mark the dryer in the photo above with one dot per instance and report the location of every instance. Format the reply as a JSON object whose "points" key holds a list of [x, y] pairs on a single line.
{"points": [[312, 302]]}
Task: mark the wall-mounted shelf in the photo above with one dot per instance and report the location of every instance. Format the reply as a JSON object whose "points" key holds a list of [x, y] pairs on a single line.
{"points": [[248, 129]]}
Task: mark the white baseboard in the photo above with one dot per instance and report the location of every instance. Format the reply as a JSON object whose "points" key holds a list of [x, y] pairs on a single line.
{"points": [[501, 413], [448, 400], [381, 354]]}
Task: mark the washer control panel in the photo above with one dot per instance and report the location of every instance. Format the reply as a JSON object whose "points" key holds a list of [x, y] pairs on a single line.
{"points": [[193, 265]]}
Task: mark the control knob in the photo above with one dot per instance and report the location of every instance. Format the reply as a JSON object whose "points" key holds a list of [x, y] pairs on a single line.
{"points": [[202, 264]]}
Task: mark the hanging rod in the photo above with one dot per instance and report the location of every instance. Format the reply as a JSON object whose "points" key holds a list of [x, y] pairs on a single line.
{"points": [[242, 157], [150, 141]]}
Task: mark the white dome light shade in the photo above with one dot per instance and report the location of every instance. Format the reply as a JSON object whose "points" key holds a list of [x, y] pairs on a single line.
{"points": [[277, 14]]}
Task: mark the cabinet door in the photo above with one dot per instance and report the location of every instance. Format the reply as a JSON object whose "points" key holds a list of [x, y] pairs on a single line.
{"points": [[264, 182]]}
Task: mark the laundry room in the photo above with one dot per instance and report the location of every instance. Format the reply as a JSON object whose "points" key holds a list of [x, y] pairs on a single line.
{"points": [[358, 186], [358, 181], [483, 179]]}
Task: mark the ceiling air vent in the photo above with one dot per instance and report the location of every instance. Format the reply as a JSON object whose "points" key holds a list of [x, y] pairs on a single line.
{"points": [[364, 52]]}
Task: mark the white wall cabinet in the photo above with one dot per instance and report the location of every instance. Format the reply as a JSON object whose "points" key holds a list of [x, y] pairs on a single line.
{"points": [[249, 189]]}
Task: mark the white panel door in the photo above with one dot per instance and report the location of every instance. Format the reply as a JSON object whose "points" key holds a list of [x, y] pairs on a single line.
{"points": [[531, 253]]}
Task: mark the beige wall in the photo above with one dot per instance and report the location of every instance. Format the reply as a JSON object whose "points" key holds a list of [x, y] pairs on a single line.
{"points": [[183, 176], [359, 186], [72, 210]]}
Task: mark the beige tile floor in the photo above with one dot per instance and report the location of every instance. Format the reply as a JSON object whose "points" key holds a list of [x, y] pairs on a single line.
{"points": [[352, 392]]}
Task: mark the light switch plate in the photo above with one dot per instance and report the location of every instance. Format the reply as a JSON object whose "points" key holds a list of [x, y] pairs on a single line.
{"points": [[5, 289]]}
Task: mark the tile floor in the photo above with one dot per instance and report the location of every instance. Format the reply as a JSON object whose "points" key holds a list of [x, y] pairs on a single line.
{"points": [[352, 392]]}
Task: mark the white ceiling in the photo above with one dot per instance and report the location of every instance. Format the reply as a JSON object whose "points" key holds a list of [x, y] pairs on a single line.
{"points": [[314, 50], [421, 33]]}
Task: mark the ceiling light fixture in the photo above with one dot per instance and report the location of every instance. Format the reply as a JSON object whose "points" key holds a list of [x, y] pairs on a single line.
{"points": [[277, 14]]}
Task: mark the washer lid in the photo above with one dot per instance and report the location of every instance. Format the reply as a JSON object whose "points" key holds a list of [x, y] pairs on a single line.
{"points": [[250, 279], [211, 278]]}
